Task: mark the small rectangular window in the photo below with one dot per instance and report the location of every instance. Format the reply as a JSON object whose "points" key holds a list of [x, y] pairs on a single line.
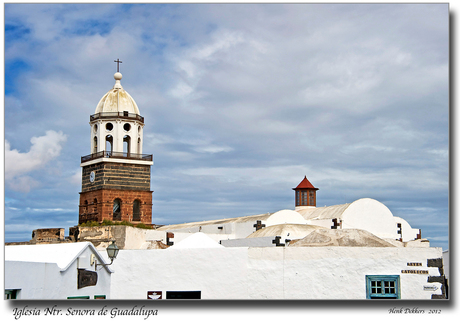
{"points": [[11, 294], [382, 287], [99, 297], [86, 297]]}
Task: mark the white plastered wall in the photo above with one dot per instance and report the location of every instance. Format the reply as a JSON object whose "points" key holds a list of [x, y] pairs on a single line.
{"points": [[335, 272], [37, 280], [270, 272], [217, 273]]}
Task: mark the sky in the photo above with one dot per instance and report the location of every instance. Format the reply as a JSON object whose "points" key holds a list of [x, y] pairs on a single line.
{"points": [[240, 101]]}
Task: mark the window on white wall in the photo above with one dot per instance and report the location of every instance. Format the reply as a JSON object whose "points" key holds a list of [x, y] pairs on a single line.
{"points": [[382, 287], [11, 294]]}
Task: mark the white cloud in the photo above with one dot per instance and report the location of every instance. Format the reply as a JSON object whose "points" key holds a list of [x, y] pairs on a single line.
{"points": [[330, 91], [200, 63], [197, 142], [253, 176], [43, 150], [222, 42], [408, 179], [213, 149], [22, 184], [75, 179]]}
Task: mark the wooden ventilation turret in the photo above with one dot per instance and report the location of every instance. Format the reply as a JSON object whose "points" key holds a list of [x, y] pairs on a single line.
{"points": [[305, 193]]}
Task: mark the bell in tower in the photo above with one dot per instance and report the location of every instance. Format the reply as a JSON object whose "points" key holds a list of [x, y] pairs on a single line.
{"points": [[116, 175], [305, 194]]}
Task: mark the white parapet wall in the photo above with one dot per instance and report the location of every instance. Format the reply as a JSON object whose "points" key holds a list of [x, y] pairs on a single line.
{"points": [[217, 272], [273, 272], [337, 273], [250, 242]]}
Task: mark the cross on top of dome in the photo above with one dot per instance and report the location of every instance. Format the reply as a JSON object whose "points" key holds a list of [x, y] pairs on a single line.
{"points": [[118, 61]]}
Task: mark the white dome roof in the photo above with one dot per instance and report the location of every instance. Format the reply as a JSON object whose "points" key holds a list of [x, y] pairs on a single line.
{"points": [[285, 217], [196, 240], [117, 100]]}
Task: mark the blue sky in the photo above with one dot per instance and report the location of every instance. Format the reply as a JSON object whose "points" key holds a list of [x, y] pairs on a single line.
{"points": [[240, 102]]}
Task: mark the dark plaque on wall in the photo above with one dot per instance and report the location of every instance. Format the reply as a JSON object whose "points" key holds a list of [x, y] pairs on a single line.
{"points": [[86, 278]]}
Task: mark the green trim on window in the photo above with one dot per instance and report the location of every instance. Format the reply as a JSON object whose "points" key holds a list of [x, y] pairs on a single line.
{"points": [[100, 297], [78, 297], [383, 287]]}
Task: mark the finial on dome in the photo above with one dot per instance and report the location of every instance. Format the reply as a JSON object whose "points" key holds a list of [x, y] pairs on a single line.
{"points": [[117, 75]]}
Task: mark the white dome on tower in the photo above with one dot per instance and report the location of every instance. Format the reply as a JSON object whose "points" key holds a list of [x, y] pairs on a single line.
{"points": [[117, 100]]}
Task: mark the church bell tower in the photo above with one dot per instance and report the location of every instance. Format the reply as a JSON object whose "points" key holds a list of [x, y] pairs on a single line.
{"points": [[116, 175]]}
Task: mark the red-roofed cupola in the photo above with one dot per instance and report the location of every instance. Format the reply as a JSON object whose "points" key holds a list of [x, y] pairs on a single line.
{"points": [[305, 193]]}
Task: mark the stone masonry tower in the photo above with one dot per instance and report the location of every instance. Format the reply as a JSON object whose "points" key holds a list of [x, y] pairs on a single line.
{"points": [[116, 175]]}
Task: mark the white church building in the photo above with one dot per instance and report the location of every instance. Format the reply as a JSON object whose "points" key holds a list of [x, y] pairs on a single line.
{"points": [[56, 272], [353, 251]]}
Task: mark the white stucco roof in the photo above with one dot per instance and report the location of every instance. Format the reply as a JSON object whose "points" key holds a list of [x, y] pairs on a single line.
{"points": [[322, 213], [365, 214], [62, 254], [196, 240], [291, 231], [348, 237], [117, 100], [241, 219], [280, 217]]}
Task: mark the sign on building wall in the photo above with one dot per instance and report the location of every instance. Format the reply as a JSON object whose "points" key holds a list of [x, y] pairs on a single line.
{"points": [[430, 287], [86, 278], [415, 271], [154, 295]]}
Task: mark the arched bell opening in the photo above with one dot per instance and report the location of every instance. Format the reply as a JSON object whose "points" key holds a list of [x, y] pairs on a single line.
{"points": [[117, 209], [137, 210], [109, 144], [95, 145], [126, 145]]}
